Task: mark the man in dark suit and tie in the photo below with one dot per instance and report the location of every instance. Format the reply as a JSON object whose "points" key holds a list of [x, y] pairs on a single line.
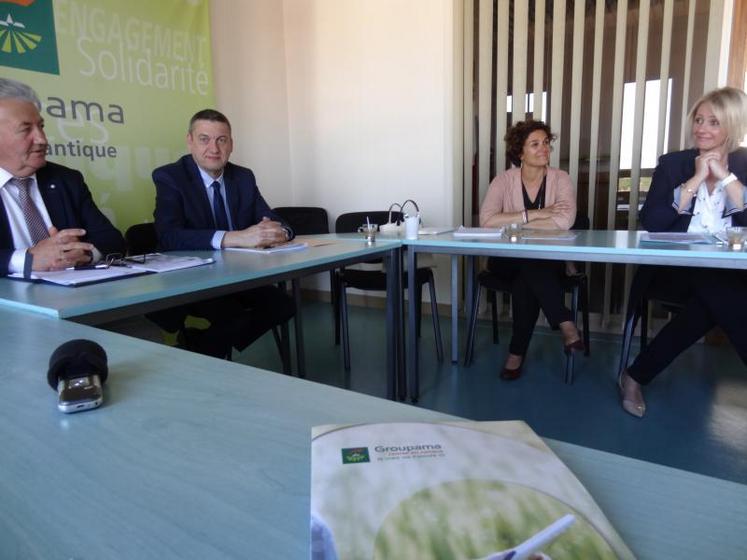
{"points": [[205, 202], [48, 219]]}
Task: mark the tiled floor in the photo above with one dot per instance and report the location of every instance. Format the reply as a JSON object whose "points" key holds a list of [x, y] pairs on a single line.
{"points": [[697, 409]]}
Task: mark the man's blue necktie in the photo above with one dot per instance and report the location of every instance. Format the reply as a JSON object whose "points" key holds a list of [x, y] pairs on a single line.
{"points": [[219, 208]]}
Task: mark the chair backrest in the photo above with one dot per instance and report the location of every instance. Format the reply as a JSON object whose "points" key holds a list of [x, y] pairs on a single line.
{"points": [[351, 221], [305, 220], [141, 239], [582, 222]]}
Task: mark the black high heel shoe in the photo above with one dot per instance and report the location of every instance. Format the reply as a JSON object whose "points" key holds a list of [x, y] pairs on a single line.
{"points": [[575, 346], [509, 374]]}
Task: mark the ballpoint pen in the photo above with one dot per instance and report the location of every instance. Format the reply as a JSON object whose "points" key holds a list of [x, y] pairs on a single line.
{"points": [[88, 266], [536, 542]]}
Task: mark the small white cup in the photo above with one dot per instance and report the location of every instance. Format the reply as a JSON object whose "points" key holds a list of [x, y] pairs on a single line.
{"points": [[412, 224]]}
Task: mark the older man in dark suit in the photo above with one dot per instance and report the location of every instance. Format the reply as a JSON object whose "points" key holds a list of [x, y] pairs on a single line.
{"points": [[205, 202], [48, 219]]}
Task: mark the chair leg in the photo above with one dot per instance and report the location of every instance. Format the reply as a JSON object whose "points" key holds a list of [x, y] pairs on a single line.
{"points": [[644, 324], [418, 307], [493, 300], [569, 356], [584, 295], [332, 292], [344, 325], [281, 341], [628, 330], [472, 326], [436, 321], [335, 287]]}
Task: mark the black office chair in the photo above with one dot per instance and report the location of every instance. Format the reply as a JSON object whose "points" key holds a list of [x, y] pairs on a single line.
{"points": [[141, 239], [576, 285], [375, 280], [643, 289], [308, 220], [305, 220]]}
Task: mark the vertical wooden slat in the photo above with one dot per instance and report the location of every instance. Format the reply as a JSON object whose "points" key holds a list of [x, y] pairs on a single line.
{"points": [[617, 106], [666, 50], [738, 47], [684, 129], [468, 124], [579, 16], [501, 85], [556, 84], [539, 57], [717, 44], [595, 99], [640, 105], [617, 92], [519, 79], [484, 84]]}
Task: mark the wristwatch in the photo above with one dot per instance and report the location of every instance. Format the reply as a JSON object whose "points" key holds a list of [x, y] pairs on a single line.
{"points": [[730, 178]]}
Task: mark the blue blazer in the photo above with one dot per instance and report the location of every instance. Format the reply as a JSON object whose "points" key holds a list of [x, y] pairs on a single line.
{"points": [[658, 212], [183, 215], [70, 205]]}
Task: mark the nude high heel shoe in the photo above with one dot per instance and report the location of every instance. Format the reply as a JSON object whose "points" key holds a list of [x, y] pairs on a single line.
{"points": [[632, 399]]}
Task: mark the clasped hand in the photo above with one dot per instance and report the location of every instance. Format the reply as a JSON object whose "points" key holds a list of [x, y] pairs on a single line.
{"points": [[266, 233], [62, 249], [711, 163]]}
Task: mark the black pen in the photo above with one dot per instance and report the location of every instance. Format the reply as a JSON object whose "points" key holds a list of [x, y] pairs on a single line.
{"points": [[88, 266]]}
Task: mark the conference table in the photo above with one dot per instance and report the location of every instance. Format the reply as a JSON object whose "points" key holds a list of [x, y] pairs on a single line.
{"points": [[601, 246], [231, 272], [191, 457]]}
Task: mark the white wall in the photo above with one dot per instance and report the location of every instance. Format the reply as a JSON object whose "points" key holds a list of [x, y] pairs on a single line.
{"points": [[250, 87], [367, 93], [343, 104]]}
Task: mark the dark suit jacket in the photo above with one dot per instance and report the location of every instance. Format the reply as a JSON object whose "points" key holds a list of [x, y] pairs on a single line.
{"points": [[183, 215], [69, 205], [658, 213]]}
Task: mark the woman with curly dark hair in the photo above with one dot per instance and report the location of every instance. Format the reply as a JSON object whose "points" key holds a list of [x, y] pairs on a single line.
{"points": [[540, 197]]}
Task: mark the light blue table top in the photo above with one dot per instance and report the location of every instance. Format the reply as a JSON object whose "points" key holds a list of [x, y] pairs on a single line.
{"points": [[193, 458], [594, 246], [231, 270]]}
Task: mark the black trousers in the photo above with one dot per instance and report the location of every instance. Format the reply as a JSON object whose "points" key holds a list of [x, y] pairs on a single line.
{"points": [[534, 285], [712, 297], [236, 320]]}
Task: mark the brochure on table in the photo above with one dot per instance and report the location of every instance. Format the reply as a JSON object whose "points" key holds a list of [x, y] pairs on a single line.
{"points": [[283, 248], [461, 490], [126, 267]]}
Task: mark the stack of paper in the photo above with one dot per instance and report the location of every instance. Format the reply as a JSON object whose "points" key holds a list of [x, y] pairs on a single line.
{"points": [[478, 233]]}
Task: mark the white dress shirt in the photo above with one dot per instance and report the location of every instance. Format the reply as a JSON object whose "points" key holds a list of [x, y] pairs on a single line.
{"points": [[207, 180], [19, 229]]}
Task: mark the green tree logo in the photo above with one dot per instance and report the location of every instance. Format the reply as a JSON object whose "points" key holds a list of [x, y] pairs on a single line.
{"points": [[355, 455], [27, 36], [15, 38]]}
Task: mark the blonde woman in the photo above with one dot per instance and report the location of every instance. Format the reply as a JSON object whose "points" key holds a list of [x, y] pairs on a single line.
{"points": [[697, 190]]}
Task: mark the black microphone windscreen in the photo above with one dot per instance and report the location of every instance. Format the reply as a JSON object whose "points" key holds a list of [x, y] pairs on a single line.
{"points": [[76, 358]]}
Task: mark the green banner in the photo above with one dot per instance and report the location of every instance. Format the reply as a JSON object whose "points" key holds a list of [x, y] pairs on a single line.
{"points": [[118, 83]]}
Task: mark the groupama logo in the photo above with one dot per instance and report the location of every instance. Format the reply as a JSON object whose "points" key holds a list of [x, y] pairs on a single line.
{"points": [[355, 455], [27, 35]]}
